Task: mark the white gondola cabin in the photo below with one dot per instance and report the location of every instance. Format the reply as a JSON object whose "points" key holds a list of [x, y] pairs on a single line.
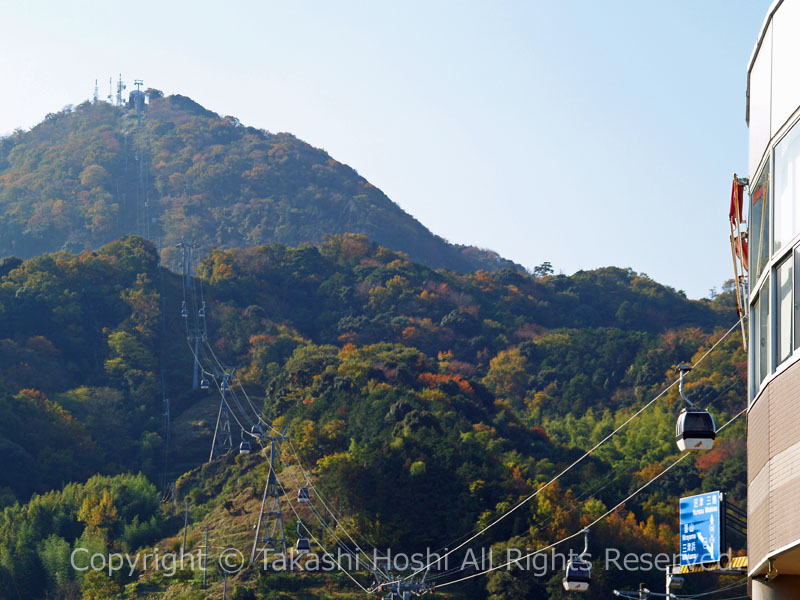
{"points": [[695, 430], [578, 575]]}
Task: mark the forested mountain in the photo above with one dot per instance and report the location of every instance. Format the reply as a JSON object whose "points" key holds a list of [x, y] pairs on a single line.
{"points": [[88, 175], [423, 403]]}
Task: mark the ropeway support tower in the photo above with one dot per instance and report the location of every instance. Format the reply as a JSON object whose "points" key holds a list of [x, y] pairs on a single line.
{"points": [[197, 332], [270, 517], [222, 443]]}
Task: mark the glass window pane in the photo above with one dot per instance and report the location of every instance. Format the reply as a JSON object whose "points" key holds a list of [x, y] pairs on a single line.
{"points": [[759, 225], [762, 332], [760, 96], [787, 188], [785, 311], [796, 297]]}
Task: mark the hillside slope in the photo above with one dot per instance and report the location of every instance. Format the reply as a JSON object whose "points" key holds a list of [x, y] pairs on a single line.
{"points": [[424, 403], [85, 176]]}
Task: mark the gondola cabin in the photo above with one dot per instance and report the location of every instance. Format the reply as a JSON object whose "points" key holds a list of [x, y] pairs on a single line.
{"points": [[303, 546], [695, 430], [244, 448], [577, 576], [303, 494]]}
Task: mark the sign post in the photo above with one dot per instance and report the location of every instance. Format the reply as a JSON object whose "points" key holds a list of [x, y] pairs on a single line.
{"points": [[702, 529]]}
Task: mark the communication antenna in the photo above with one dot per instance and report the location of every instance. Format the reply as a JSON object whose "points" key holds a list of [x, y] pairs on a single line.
{"points": [[120, 86], [110, 90], [96, 93], [138, 99]]}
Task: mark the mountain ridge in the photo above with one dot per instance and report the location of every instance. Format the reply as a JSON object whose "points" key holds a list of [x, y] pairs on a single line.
{"points": [[90, 174]]}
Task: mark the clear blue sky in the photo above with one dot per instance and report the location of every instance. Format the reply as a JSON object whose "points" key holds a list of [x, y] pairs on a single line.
{"points": [[582, 133]]}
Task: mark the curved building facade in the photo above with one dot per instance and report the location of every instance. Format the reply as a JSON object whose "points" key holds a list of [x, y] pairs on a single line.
{"points": [[773, 424]]}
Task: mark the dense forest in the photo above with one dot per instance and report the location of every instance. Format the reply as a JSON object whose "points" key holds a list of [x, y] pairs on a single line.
{"points": [[423, 403], [89, 174]]}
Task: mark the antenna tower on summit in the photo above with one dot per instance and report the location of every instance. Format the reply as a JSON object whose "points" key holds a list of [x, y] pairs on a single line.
{"points": [[96, 94], [120, 86]]}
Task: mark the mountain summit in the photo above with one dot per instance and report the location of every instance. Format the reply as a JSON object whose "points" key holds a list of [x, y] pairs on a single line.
{"points": [[86, 175]]}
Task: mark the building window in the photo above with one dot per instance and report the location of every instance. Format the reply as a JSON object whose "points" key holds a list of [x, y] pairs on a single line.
{"points": [[759, 225], [784, 309], [796, 300], [760, 338], [787, 188]]}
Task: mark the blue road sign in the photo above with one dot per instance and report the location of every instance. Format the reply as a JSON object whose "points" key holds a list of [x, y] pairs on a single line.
{"points": [[701, 531]]}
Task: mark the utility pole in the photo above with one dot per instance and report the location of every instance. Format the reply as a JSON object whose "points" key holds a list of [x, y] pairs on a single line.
{"points": [[674, 582], [172, 513], [185, 525], [168, 425], [205, 559], [271, 501]]}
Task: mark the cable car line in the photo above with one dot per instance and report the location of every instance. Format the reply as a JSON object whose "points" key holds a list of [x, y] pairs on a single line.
{"points": [[229, 389], [228, 406], [245, 431], [725, 589], [311, 483], [617, 475], [695, 428], [196, 312], [339, 542], [593, 523], [574, 463], [321, 498], [311, 535], [578, 573], [543, 524]]}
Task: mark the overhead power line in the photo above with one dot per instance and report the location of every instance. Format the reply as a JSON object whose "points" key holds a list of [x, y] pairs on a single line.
{"points": [[590, 525], [571, 465]]}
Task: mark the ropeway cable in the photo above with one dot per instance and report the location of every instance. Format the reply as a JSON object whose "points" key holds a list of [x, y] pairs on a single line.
{"points": [[311, 535], [327, 508], [574, 463], [617, 475], [332, 533], [306, 476], [297, 457], [219, 388], [318, 495], [725, 589], [518, 505], [593, 523]]}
